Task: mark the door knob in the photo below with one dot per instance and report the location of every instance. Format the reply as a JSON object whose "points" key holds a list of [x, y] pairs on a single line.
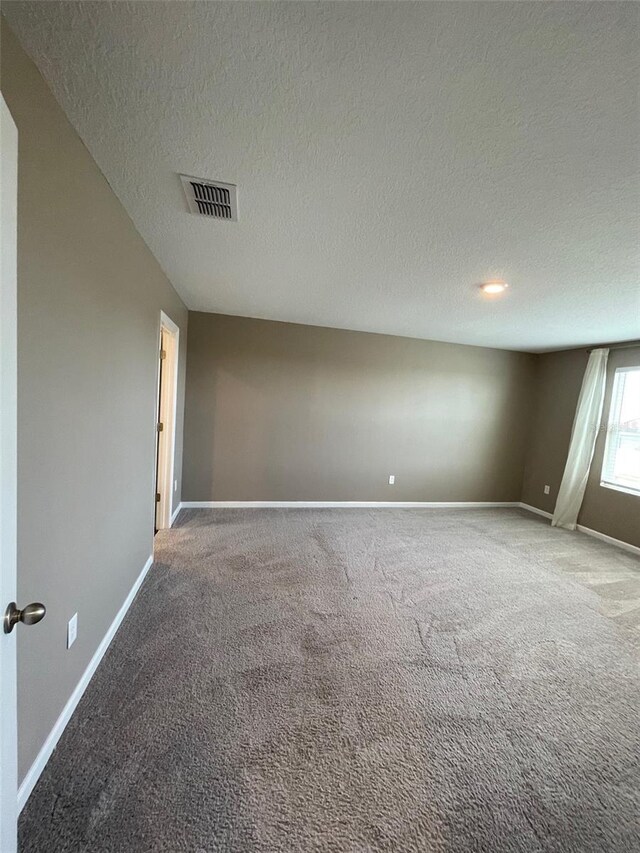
{"points": [[31, 614]]}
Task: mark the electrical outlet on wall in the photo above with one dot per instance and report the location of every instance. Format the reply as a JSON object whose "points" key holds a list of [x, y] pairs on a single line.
{"points": [[546, 490], [72, 630], [392, 479]]}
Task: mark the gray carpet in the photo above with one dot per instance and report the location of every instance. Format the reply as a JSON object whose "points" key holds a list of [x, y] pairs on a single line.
{"points": [[355, 680]]}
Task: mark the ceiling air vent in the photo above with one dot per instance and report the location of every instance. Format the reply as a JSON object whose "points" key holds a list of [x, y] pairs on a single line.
{"points": [[211, 198]]}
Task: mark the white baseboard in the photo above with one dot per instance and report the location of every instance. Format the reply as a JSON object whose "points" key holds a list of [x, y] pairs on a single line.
{"points": [[535, 509], [339, 504], [175, 514], [33, 774], [626, 546]]}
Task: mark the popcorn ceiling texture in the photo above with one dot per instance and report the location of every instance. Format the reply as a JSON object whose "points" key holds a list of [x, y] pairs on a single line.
{"points": [[355, 681], [388, 156]]}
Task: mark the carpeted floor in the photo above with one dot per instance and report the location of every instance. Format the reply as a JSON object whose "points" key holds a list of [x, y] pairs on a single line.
{"points": [[360, 680]]}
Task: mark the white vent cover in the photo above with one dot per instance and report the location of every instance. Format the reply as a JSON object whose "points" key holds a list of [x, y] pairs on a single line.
{"points": [[211, 198]]}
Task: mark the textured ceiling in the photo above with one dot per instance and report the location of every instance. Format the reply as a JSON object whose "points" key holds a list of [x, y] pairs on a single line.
{"points": [[388, 156]]}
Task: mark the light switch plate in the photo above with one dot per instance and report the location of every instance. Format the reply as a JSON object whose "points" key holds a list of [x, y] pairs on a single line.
{"points": [[546, 490], [72, 630], [392, 479]]}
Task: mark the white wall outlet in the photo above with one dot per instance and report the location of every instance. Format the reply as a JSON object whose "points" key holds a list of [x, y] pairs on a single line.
{"points": [[546, 490], [175, 485], [392, 479], [72, 630]]}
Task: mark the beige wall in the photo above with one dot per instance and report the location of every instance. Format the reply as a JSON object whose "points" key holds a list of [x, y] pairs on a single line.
{"points": [[559, 380], [277, 411], [89, 301]]}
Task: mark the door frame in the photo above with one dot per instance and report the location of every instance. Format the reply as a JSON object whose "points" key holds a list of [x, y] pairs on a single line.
{"points": [[8, 476], [166, 410]]}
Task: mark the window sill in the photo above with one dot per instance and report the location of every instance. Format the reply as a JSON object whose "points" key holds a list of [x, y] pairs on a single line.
{"points": [[625, 489]]}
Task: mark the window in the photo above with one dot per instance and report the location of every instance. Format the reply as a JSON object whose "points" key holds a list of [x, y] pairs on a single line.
{"points": [[621, 468]]}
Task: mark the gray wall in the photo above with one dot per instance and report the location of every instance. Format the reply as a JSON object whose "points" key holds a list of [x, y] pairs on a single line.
{"points": [[89, 301], [277, 411], [558, 385]]}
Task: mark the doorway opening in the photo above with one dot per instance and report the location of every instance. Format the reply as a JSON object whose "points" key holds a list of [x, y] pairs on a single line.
{"points": [[166, 421]]}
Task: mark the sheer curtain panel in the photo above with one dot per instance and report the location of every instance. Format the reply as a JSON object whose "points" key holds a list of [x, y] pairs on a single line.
{"points": [[583, 441]]}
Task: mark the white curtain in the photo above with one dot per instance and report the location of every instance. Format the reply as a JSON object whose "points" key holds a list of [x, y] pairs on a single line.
{"points": [[583, 441]]}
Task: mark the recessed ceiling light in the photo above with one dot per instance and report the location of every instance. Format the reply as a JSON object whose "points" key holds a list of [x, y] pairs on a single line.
{"points": [[494, 287]]}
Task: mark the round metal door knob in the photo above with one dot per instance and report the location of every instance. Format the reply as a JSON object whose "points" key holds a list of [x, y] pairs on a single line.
{"points": [[29, 615]]}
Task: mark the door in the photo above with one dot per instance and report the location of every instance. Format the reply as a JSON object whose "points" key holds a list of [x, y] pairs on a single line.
{"points": [[160, 431], [10, 614], [8, 455], [166, 421]]}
